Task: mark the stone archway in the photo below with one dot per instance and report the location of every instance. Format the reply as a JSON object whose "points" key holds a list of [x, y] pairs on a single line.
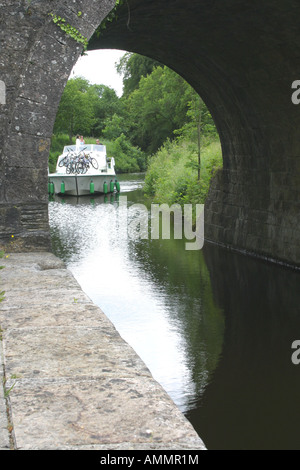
{"points": [[241, 57]]}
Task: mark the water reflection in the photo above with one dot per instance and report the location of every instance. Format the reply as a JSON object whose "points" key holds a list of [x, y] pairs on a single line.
{"points": [[215, 328], [142, 287], [253, 400]]}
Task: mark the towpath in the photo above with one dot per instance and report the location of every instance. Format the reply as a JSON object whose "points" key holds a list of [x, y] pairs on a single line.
{"points": [[69, 380]]}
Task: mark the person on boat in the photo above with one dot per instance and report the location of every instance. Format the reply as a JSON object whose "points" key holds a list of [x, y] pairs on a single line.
{"points": [[82, 142], [77, 142]]}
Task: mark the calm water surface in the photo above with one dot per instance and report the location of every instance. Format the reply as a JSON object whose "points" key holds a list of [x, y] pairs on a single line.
{"points": [[214, 328]]}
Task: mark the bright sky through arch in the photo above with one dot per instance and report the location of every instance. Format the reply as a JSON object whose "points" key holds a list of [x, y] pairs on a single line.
{"points": [[98, 67]]}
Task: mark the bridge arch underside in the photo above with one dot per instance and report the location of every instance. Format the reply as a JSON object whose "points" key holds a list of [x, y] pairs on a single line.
{"points": [[242, 57]]}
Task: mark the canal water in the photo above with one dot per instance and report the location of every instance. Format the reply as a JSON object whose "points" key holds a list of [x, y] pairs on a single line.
{"points": [[215, 328]]}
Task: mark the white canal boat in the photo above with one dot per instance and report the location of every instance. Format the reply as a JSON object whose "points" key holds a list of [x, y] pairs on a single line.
{"points": [[83, 170]]}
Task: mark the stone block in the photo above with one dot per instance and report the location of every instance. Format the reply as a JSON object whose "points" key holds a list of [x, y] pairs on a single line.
{"points": [[2, 93]]}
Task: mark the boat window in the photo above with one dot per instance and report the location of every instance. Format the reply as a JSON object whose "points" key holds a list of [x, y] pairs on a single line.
{"points": [[70, 148], [85, 148], [99, 148]]}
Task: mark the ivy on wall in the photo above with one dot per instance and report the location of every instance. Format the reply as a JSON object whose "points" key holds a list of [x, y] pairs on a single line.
{"points": [[76, 35], [70, 30], [113, 15]]}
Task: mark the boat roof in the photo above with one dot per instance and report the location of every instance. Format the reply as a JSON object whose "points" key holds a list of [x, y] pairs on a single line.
{"points": [[84, 148]]}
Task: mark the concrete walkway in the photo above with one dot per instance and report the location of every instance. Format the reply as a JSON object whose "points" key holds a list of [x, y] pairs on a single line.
{"points": [[70, 380]]}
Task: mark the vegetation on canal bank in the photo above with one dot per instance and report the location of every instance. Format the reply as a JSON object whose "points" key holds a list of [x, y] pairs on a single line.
{"points": [[171, 177], [159, 126]]}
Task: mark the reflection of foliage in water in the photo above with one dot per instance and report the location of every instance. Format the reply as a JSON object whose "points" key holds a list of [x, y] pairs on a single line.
{"points": [[183, 278]]}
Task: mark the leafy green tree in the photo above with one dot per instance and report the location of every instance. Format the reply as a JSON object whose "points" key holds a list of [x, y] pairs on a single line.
{"points": [[133, 67], [105, 103], [157, 108], [75, 113], [114, 127], [129, 159], [199, 128], [84, 108]]}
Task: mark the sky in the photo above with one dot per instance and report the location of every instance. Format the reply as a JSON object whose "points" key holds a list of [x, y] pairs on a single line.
{"points": [[98, 67]]}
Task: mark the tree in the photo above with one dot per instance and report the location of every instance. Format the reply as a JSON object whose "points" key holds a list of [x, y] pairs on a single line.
{"points": [[114, 127], [84, 108], [198, 126], [133, 67], [106, 104], [157, 108], [75, 113], [129, 159]]}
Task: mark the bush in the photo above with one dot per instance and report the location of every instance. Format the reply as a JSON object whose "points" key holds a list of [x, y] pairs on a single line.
{"points": [[129, 159], [172, 176]]}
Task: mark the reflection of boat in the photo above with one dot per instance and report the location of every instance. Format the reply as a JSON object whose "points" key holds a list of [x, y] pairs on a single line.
{"points": [[83, 170], [93, 200]]}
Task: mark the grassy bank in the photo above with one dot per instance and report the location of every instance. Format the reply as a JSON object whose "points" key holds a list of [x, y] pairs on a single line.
{"points": [[172, 175]]}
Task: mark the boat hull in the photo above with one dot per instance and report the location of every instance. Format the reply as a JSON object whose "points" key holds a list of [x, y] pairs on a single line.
{"points": [[81, 185]]}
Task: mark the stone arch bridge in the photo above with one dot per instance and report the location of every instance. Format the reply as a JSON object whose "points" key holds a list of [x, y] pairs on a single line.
{"points": [[242, 57]]}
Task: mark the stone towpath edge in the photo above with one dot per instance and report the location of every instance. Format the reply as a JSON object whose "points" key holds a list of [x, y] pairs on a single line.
{"points": [[69, 380]]}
